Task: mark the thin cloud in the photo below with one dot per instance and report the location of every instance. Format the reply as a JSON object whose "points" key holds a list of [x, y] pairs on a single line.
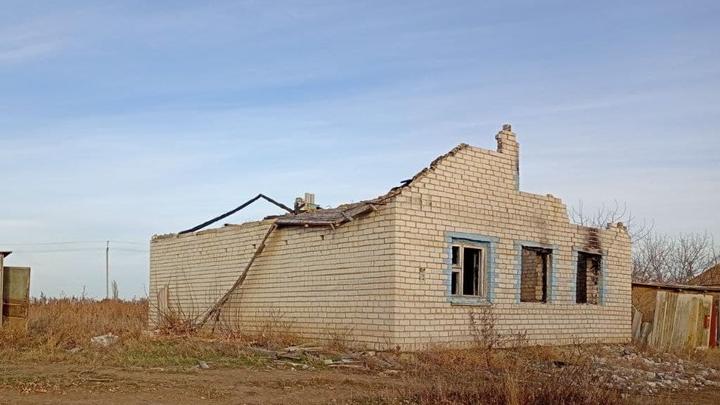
{"points": [[31, 41], [16, 53]]}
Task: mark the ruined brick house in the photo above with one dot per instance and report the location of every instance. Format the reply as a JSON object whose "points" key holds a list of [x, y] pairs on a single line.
{"points": [[406, 268]]}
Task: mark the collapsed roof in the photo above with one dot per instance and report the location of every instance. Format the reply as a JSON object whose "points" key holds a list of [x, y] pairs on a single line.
{"points": [[331, 217]]}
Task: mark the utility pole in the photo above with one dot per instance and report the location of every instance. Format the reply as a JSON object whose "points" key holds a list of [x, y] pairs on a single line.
{"points": [[107, 270]]}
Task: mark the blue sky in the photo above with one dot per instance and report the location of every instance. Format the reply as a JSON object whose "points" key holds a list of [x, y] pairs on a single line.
{"points": [[119, 120]]}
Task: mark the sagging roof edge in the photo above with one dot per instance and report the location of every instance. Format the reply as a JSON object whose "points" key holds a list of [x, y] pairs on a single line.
{"points": [[677, 287]]}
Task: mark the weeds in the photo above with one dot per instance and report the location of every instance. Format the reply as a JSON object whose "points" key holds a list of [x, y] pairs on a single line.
{"points": [[275, 331], [66, 323], [495, 369], [499, 369], [59, 330]]}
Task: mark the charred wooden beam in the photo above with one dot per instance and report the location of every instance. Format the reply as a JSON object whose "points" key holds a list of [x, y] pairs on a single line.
{"points": [[227, 214]]}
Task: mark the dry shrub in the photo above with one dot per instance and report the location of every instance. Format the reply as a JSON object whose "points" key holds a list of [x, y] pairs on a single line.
{"points": [[709, 357], [274, 331], [340, 338], [174, 323], [498, 369], [501, 376]]}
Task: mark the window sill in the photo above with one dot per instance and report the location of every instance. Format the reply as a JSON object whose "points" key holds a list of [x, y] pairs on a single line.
{"points": [[469, 301]]}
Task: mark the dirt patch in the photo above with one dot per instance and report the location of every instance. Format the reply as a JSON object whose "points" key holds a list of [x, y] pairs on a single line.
{"points": [[70, 384], [56, 383]]}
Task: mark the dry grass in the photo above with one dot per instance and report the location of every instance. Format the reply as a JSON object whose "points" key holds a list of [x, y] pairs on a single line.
{"points": [[59, 330], [710, 358], [529, 375], [495, 370], [500, 369], [707, 357], [62, 324]]}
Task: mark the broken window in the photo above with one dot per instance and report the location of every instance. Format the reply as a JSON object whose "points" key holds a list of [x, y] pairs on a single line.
{"points": [[587, 286], [468, 270], [534, 274]]}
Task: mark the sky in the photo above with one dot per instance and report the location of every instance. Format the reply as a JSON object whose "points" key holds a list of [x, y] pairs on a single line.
{"points": [[120, 120]]}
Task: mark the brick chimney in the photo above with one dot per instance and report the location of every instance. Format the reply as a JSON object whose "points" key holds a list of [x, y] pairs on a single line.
{"points": [[305, 204], [507, 144]]}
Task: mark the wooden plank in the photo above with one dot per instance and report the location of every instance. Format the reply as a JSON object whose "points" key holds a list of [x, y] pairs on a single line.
{"points": [[679, 321], [645, 330], [636, 324], [714, 324], [658, 319], [163, 300], [684, 320], [705, 312]]}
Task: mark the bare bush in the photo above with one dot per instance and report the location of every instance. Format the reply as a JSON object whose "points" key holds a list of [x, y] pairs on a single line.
{"points": [[483, 329], [655, 256], [674, 259], [612, 213], [275, 330]]}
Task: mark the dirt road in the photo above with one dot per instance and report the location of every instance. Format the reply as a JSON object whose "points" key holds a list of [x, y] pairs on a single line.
{"points": [[57, 383], [72, 384]]}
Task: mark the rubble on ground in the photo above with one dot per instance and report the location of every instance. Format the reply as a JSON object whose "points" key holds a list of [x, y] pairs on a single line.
{"points": [[311, 357], [632, 371], [105, 340], [621, 367]]}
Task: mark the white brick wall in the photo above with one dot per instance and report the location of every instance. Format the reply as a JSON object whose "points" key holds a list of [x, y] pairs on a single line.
{"points": [[383, 277], [319, 282], [475, 192]]}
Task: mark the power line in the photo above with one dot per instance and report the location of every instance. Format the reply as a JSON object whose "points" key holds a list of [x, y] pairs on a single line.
{"points": [[56, 250], [50, 243], [131, 250], [129, 242], [97, 249], [70, 243]]}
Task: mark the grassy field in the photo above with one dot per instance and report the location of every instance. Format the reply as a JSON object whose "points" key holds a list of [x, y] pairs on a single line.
{"points": [[59, 330], [54, 356]]}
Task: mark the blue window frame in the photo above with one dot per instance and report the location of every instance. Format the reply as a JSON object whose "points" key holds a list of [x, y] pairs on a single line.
{"points": [[546, 262], [470, 268]]}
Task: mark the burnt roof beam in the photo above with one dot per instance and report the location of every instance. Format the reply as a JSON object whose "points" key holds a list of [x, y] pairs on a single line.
{"points": [[245, 204]]}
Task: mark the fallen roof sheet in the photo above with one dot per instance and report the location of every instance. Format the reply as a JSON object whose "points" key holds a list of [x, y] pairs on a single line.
{"points": [[328, 217]]}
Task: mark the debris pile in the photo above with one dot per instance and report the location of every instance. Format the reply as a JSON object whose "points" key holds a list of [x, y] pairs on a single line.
{"points": [[311, 357], [633, 371], [105, 340]]}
